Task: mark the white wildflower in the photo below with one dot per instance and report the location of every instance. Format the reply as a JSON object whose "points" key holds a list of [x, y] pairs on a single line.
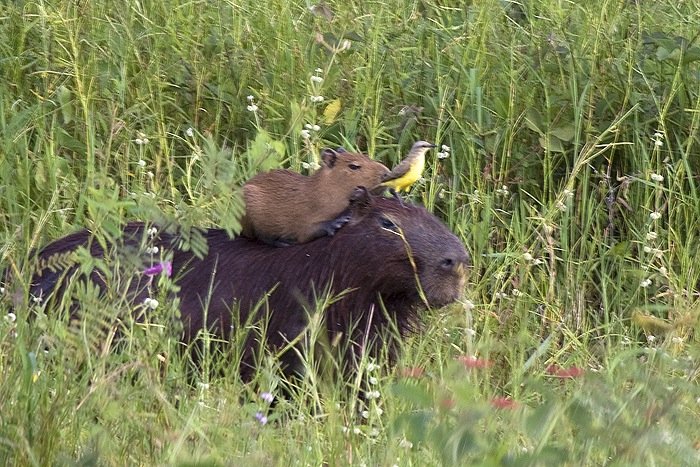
{"points": [[11, 317], [677, 340], [305, 134], [152, 250], [365, 414], [527, 257], [373, 380], [517, 293], [316, 128], [252, 108], [657, 177], [568, 193], [318, 71], [316, 79], [647, 249], [651, 236], [356, 430], [141, 163], [561, 206], [656, 215], [372, 394], [470, 332], [405, 444], [663, 271], [317, 99], [651, 338], [372, 367], [645, 283], [151, 303], [189, 132]]}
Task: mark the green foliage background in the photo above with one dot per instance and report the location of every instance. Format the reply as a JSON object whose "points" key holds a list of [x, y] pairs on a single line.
{"points": [[571, 176]]}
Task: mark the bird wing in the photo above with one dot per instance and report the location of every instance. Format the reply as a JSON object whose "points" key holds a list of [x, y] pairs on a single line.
{"points": [[399, 171]]}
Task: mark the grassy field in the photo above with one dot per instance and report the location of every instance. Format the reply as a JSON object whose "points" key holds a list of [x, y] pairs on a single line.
{"points": [[568, 165]]}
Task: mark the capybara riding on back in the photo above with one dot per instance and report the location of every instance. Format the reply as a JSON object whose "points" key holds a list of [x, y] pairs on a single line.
{"points": [[285, 207], [390, 261]]}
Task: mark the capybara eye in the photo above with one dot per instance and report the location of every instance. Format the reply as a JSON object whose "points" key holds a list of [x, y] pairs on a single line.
{"points": [[354, 166], [387, 223]]}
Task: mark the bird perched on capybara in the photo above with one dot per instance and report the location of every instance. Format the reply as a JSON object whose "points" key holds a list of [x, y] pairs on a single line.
{"points": [[385, 262], [285, 207], [409, 170]]}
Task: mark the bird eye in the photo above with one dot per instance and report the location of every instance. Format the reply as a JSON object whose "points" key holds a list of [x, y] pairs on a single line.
{"points": [[354, 166], [387, 223]]}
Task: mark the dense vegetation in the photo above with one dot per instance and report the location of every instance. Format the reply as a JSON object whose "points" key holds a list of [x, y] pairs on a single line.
{"points": [[568, 165]]}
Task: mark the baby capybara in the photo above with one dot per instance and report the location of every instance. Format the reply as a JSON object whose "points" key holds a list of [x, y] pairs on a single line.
{"points": [[380, 262], [285, 207]]}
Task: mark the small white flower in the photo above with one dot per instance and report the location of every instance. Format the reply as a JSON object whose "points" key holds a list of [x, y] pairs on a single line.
{"points": [[445, 148], [356, 430], [651, 338], [645, 283], [373, 380], [470, 332], [568, 193], [561, 206], [189, 132], [152, 250], [316, 79], [372, 394], [151, 303], [308, 126], [658, 135], [651, 236], [537, 261], [658, 143], [305, 134], [657, 252], [657, 177], [344, 429], [2, 290], [677, 340], [517, 293], [141, 163], [373, 433], [647, 249], [317, 99], [318, 71], [250, 98], [203, 385], [152, 232], [365, 414], [663, 271], [316, 128], [372, 367], [379, 411], [527, 257], [37, 299], [406, 444], [149, 174], [443, 155], [655, 215], [252, 108], [11, 317]]}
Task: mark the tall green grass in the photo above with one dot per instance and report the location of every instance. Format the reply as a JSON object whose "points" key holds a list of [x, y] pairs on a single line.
{"points": [[569, 126]]}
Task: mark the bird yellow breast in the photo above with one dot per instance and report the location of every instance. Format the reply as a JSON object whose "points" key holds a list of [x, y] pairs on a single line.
{"points": [[409, 178]]}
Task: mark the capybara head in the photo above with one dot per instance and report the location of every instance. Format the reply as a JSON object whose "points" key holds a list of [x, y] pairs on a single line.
{"points": [[404, 250], [347, 170]]}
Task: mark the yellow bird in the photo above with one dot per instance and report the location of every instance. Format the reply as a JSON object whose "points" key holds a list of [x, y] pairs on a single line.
{"points": [[409, 170]]}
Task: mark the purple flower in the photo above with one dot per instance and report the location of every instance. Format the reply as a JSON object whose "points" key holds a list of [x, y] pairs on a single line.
{"points": [[164, 267], [261, 418], [267, 397]]}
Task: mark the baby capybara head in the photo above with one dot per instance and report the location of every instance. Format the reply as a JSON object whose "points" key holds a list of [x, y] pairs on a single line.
{"points": [[350, 169]]}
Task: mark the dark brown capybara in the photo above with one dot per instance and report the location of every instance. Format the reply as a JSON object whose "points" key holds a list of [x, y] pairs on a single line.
{"points": [[285, 207], [389, 256]]}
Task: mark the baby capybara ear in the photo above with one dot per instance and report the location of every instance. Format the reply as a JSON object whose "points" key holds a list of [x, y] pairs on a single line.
{"points": [[329, 157]]}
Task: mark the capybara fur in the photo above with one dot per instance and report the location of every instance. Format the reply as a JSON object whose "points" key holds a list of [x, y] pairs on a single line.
{"points": [[389, 258], [285, 207]]}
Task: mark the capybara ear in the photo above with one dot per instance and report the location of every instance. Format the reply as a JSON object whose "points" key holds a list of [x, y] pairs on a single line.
{"points": [[340, 149], [329, 157], [360, 201]]}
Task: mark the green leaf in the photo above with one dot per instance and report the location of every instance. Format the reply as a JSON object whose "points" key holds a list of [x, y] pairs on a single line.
{"points": [[413, 394], [564, 133], [552, 143], [533, 120]]}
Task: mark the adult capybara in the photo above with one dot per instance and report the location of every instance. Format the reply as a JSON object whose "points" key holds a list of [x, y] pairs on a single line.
{"points": [[285, 207], [385, 262]]}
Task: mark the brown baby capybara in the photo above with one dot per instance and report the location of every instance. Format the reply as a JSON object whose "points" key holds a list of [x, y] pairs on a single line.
{"points": [[382, 262], [285, 207]]}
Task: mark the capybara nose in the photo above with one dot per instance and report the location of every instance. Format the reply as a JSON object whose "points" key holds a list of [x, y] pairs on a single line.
{"points": [[455, 261]]}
